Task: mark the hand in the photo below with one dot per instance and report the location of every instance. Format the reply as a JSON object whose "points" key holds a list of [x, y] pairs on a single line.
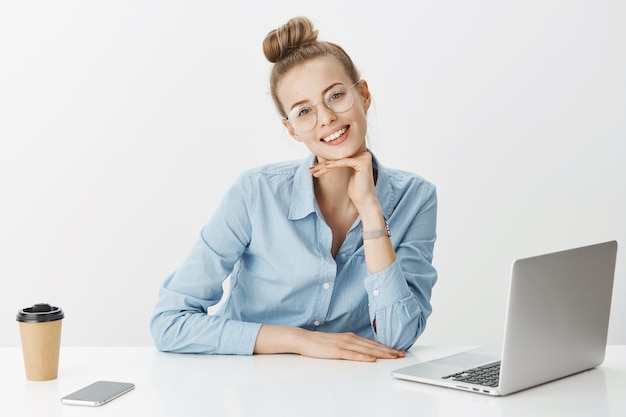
{"points": [[345, 346], [361, 188], [284, 339]]}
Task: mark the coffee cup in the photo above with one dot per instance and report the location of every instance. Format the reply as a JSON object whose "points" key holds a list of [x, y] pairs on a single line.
{"points": [[40, 331]]}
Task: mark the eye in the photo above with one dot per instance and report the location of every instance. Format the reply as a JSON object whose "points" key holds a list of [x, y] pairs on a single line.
{"points": [[335, 95], [302, 111]]}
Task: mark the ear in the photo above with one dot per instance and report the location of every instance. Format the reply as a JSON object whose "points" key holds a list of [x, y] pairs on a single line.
{"points": [[365, 94], [291, 130]]}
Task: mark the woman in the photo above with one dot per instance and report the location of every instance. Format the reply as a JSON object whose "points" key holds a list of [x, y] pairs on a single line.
{"points": [[329, 257]]}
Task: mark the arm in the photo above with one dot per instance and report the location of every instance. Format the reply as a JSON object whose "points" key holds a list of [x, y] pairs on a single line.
{"points": [[399, 296], [180, 322], [401, 275]]}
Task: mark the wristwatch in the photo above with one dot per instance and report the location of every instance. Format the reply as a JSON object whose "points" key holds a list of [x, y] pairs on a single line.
{"points": [[377, 233]]}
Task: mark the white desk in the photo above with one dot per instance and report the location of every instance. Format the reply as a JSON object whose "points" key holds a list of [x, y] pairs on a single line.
{"points": [[290, 385]]}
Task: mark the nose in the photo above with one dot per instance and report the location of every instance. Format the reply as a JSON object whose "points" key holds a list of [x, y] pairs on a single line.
{"points": [[325, 116]]}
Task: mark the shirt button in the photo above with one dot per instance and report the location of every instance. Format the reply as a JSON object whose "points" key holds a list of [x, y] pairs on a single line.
{"points": [[326, 285], [376, 292], [344, 256], [316, 323]]}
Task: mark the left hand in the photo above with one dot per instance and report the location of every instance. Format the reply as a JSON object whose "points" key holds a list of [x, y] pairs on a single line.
{"points": [[361, 188]]}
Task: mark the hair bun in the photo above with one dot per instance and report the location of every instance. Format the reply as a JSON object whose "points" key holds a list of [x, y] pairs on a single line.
{"points": [[281, 41]]}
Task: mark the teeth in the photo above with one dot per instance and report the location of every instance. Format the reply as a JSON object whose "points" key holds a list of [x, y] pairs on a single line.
{"points": [[335, 135]]}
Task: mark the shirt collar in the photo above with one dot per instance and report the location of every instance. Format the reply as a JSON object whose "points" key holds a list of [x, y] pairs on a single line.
{"points": [[303, 197]]}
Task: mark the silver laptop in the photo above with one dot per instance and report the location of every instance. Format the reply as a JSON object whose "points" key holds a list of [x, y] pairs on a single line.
{"points": [[556, 325]]}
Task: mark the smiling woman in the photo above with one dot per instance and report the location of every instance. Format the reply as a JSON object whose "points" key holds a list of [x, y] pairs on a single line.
{"points": [[124, 123], [330, 256]]}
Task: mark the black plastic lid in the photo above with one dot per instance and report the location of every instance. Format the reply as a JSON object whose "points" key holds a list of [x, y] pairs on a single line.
{"points": [[39, 313]]}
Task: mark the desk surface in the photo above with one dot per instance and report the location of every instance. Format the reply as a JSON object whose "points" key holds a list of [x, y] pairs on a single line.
{"points": [[291, 385]]}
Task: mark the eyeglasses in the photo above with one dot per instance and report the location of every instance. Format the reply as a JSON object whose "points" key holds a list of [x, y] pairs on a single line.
{"points": [[338, 99]]}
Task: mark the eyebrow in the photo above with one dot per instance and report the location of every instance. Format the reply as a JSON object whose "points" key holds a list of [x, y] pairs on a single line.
{"points": [[307, 101]]}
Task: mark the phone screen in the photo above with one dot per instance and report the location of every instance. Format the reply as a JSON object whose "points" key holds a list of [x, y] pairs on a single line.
{"points": [[98, 393]]}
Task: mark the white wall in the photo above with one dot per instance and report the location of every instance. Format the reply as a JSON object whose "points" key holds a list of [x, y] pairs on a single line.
{"points": [[123, 122]]}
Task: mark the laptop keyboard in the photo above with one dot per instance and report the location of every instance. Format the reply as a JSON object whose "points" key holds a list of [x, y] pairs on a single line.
{"points": [[486, 375]]}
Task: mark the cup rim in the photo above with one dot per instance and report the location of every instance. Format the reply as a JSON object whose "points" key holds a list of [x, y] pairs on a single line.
{"points": [[30, 315]]}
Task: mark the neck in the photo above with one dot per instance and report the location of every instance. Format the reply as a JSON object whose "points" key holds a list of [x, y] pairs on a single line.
{"points": [[331, 190]]}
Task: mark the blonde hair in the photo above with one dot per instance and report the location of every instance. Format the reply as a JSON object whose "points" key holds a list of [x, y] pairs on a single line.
{"points": [[294, 43]]}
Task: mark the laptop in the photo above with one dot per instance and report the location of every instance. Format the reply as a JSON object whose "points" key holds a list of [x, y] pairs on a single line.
{"points": [[556, 325]]}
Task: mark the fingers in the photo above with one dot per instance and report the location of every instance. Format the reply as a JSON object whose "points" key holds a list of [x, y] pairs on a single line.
{"points": [[360, 163], [370, 347], [368, 352], [322, 168]]}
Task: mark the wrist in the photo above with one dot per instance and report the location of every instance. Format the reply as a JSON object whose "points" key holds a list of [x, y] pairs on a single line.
{"points": [[372, 217], [296, 339], [278, 339], [369, 209]]}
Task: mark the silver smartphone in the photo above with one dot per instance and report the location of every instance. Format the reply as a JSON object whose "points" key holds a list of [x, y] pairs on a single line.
{"points": [[98, 393]]}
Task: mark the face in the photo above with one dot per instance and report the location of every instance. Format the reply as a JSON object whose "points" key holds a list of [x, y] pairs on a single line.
{"points": [[335, 135]]}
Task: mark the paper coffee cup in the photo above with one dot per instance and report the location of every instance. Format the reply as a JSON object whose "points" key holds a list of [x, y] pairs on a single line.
{"points": [[40, 331]]}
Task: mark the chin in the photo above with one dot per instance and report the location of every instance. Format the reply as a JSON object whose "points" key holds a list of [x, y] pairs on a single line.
{"points": [[334, 156]]}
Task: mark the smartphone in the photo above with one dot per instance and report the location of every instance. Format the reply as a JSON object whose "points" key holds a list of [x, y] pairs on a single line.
{"points": [[98, 393]]}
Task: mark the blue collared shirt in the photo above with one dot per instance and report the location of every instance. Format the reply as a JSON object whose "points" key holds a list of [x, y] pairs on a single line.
{"points": [[269, 236]]}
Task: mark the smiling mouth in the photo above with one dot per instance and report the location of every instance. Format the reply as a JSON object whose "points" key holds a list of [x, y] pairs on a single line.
{"points": [[335, 135]]}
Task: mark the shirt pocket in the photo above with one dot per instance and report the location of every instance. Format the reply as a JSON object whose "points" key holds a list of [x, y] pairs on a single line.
{"points": [[353, 286]]}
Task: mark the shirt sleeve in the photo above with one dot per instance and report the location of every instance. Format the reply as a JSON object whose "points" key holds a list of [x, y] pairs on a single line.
{"points": [[180, 322], [399, 296]]}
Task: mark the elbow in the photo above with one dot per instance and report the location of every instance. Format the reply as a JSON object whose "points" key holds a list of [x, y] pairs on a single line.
{"points": [[420, 326], [161, 329], [177, 332], [407, 339], [405, 332]]}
